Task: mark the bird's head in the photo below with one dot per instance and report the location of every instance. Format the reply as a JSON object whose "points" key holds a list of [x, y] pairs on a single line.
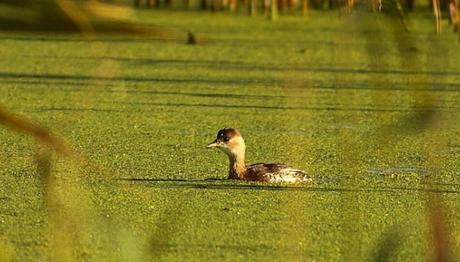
{"points": [[229, 141]]}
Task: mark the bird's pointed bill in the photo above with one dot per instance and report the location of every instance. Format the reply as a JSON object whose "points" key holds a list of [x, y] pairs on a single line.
{"points": [[214, 143]]}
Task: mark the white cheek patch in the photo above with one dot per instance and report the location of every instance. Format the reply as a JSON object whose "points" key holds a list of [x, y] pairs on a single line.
{"points": [[235, 147], [225, 149]]}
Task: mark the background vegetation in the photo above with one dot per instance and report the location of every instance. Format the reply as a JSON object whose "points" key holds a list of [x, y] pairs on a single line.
{"points": [[103, 152]]}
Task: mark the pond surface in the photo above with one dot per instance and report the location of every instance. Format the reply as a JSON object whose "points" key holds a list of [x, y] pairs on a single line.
{"points": [[370, 111]]}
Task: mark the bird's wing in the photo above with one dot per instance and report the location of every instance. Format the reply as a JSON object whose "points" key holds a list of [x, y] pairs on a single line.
{"points": [[275, 173]]}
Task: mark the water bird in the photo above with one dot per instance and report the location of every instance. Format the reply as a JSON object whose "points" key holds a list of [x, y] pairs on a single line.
{"points": [[230, 141]]}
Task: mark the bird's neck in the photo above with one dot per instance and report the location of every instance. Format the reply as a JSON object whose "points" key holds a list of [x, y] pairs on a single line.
{"points": [[237, 166]]}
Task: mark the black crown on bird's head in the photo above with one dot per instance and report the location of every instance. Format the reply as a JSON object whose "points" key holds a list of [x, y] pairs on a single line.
{"points": [[224, 136]]}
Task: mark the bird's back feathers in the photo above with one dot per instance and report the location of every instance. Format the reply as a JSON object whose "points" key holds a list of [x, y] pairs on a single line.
{"points": [[275, 173]]}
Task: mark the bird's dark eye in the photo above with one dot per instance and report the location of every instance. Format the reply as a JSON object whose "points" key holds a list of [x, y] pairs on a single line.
{"points": [[225, 138]]}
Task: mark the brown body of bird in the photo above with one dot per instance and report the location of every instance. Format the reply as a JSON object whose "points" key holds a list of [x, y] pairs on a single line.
{"points": [[230, 141]]}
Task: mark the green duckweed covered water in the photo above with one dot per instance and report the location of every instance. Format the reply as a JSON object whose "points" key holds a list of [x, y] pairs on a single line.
{"points": [[370, 111]]}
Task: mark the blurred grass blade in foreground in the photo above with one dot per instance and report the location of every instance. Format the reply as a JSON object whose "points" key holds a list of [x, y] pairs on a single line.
{"points": [[40, 134], [438, 226]]}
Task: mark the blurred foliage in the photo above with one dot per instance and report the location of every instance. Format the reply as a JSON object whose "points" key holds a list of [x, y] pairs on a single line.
{"points": [[87, 17], [42, 135], [73, 199]]}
